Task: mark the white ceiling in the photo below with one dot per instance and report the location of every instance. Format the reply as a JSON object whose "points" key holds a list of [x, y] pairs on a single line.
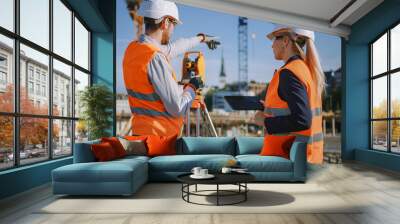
{"points": [[317, 15]]}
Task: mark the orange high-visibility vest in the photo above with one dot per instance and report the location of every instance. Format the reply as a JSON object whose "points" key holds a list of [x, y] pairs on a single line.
{"points": [[149, 114], [275, 106]]}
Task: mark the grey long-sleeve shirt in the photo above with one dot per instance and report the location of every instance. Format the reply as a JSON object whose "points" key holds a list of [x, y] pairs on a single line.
{"points": [[176, 99]]}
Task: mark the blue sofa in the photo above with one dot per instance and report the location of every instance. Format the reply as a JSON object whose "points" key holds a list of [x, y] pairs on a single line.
{"points": [[125, 176]]}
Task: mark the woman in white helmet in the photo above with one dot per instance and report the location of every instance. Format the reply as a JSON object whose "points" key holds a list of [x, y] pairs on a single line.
{"points": [[158, 104], [293, 100]]}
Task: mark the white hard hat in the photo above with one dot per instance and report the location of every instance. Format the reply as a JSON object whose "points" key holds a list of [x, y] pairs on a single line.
{"points": [[286, 29], [157, 9]]}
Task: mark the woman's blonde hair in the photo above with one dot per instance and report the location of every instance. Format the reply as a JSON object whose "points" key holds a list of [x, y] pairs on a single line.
{"points": [[311, 58]]}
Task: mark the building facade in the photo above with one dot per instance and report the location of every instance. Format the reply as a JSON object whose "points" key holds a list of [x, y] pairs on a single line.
{"points": [[34, 82]]}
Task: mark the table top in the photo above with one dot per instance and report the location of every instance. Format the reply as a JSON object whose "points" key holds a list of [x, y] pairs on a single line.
{"points": [[220, 178]]}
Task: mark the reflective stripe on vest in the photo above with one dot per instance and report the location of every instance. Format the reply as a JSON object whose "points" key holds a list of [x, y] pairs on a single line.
{"points": [[303, 138], [286, 111], [150, 112], [309, 139], [142, 96]]}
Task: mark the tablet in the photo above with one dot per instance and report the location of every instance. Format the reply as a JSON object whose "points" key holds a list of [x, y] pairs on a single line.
{"points": [[244, 102]]}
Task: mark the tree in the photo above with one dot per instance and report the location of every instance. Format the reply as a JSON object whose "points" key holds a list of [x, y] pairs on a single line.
{"points": [[379, 128], [33, 131], [97, 102], [6, 122]]}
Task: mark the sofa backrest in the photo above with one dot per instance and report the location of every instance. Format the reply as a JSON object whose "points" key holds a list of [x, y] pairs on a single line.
{"points": [[83, 153], [206, 145], [249, 145], [190, 146]]}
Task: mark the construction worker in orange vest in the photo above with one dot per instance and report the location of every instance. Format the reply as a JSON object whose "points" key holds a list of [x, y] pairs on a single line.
{"points": [[292, 105], [158, 104]]}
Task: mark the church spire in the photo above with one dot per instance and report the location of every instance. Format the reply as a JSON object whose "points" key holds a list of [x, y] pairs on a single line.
{"points": [[222, 74]]}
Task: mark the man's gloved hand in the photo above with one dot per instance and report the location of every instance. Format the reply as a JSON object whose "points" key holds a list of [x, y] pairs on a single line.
{"points": [[196, 83], [211, 41]]}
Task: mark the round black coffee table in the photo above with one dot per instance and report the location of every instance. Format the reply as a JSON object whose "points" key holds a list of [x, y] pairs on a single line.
{"points": [[238, 179]]}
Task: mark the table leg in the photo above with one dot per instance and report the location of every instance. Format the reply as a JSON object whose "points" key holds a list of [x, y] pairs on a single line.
{"points": [[217, 194], [196, 188], [188, 192], [245, 193], [182, 188]]}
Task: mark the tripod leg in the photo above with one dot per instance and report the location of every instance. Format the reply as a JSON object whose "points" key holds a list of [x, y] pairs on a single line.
{"points": [[209, 121], [188, 122], [198, 122]]}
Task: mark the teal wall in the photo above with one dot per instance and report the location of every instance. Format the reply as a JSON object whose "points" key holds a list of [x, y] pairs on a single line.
{"points": [[24, 178], [103, 64], [99, 16], [356, 100]]}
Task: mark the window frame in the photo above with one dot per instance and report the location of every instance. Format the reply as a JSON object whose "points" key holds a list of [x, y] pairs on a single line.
{"points": [[16, 114], [388, 74]]}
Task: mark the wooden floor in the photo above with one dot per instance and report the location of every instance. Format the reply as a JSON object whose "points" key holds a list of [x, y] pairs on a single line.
{"points": [[377, 188]]}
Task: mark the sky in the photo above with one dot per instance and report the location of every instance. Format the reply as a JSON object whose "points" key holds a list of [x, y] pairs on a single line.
{"points": [[261, 63]]}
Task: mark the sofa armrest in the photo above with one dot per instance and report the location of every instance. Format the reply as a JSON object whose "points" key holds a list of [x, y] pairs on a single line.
{"points": [[83, 152], [298, 156]]}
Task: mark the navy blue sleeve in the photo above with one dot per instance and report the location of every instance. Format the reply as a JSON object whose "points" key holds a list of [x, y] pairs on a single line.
{"points": [[292, 91]]}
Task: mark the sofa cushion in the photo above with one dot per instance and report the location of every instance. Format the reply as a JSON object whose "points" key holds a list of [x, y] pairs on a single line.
{"points": [[207, 145], [161, 145], [277, 145], [116, 145], [185, 163], [134, 147], [257, 163], [112, 171], [103, 152], [249, 145]]}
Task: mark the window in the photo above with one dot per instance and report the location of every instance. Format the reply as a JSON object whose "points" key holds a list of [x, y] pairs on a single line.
{"points": [[385, 97], [37, 74], [33, 148], [6, 142], [6, 73], [7, 14], [38, 89], [3, 72], [62, 74], [46, 131], [3, 61], [34, 21], [30, 87], [81, 81], [62, 137], [62, 29], [30, 72], [44, 91], [395, 47], [3, 78], [81, 45]]}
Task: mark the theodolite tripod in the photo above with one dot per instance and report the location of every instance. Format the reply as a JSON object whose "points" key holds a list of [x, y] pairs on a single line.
{"points": [[196, 68]]}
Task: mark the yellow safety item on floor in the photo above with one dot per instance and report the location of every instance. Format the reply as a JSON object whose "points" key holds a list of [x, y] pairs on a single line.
{"points": [[275, 106], [149, 114]]}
